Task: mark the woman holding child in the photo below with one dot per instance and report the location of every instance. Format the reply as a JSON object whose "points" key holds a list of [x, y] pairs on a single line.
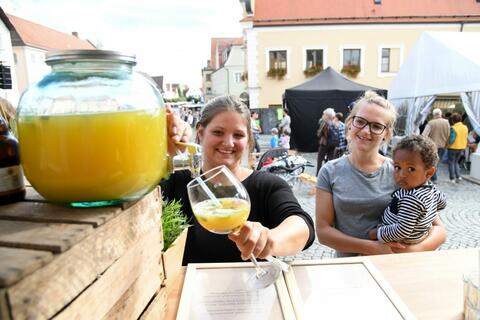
{"points": [[354, 190]]}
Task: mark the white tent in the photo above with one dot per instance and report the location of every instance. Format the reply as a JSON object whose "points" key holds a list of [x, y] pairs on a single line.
{"points": [[439, 63]]}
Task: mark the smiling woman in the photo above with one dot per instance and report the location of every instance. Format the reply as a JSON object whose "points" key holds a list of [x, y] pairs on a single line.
{"points": [[276, 225], [354, 190]]}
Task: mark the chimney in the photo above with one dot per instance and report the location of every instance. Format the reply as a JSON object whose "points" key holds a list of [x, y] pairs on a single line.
{"points": [[75, 33]]}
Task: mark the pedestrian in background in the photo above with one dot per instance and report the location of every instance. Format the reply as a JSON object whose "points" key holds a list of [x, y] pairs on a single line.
{"points": [[326, 148], [342, 144], [285, 139], [256, 130], [274, 138], [456, 146], [285, 123], [438, 130]]}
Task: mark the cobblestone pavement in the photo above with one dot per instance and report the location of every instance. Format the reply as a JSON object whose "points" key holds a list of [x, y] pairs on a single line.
{"points": [[461, 216]]}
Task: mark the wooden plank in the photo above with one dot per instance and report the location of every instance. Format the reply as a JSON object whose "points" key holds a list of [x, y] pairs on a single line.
{"points": [[172, 259], [145, 255], [47, 212], [45, 292], [141, 292], [157, 307], [4, 308], [54, 237], [17, 263]]}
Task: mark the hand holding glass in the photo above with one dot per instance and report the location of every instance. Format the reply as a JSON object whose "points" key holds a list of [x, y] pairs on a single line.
{"points": [[221, 205]]}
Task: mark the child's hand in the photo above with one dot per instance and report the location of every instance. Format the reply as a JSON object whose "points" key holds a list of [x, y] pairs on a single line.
{"points": [[372, 234]]}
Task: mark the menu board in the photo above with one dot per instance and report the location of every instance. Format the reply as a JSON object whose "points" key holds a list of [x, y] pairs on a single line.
{"points": [[310, 290], [342, 290], [219, 291]]}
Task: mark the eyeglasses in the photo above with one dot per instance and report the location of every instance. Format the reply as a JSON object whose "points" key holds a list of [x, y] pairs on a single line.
{"points": [[375, 127]]}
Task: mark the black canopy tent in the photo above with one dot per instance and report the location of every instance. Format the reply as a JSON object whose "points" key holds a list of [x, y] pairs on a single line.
{"points": [[305, 104]]}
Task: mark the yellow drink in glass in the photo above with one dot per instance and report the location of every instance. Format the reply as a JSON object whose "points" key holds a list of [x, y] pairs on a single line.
{"points": [[94, 157], [222, 218]]}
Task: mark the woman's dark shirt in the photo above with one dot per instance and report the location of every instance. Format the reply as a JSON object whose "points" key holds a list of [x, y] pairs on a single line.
{"points": [[272, 201]]}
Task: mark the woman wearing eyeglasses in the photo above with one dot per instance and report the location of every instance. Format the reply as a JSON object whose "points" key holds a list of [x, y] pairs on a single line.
{"points": [[354, 190]]}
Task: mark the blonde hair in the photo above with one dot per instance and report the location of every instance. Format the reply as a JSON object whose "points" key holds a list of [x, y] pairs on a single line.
{"points": [[373, 97]]}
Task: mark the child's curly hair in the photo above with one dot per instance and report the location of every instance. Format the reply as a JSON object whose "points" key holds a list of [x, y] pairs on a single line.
{"points": [[423, 145]]}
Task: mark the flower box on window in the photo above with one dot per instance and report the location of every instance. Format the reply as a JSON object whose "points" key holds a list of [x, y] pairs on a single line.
{"points": [[313, 70], [278, 73], [351, 70]]}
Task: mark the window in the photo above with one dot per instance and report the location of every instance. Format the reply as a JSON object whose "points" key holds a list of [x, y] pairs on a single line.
{"points": [[314, 58], [389, 59], [385, 63], [351, 57], [15, 58], [278, 59], [208, 77], [238, 77]]}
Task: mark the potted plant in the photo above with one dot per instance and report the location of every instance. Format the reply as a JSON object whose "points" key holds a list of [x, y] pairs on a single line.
{"points": [[351, 70], [175, 226], [278, 73], [313, 70]]}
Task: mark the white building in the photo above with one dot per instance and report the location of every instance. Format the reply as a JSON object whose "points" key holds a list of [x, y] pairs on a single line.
{"points": [[30, 42], [6, 56], [228, 79]]}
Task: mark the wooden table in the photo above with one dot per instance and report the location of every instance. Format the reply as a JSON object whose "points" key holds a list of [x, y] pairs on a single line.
{"points": [[429, 283]]}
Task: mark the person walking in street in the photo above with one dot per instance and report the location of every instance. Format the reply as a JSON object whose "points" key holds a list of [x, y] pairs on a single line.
{"points": [[256, 130], [456, 146], [326, 133], [285, 123], [353, 191], [285, 139], [342, 144], [274, 138], [438, 129]]}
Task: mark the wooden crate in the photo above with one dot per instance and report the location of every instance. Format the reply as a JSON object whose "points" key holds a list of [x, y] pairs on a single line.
{"points": [[77, 263], [172, 260]]}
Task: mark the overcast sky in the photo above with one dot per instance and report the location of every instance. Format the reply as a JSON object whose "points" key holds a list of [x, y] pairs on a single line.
{"points": [[169, 37]]}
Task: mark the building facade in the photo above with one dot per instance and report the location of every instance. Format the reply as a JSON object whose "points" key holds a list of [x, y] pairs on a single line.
{"points": [[6, 57], [367, 40], [220, 50], [31, 42], [229, 79]]}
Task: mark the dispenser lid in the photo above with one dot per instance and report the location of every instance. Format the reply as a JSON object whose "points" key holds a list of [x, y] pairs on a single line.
{"points": [[106, 55]]}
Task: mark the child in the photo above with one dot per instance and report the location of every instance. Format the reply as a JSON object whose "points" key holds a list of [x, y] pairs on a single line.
{"points": [[285, 139], [414, 205], [274, 138]]}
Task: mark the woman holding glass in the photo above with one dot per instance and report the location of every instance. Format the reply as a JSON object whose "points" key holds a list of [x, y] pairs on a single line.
{"points": [[354, 190], [276, 225]]}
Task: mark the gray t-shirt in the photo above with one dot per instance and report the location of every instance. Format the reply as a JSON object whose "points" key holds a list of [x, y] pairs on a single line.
{"points": [[359, 198]]}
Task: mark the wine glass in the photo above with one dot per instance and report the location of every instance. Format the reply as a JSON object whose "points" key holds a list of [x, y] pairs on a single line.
{"points": [[221, 205]]}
